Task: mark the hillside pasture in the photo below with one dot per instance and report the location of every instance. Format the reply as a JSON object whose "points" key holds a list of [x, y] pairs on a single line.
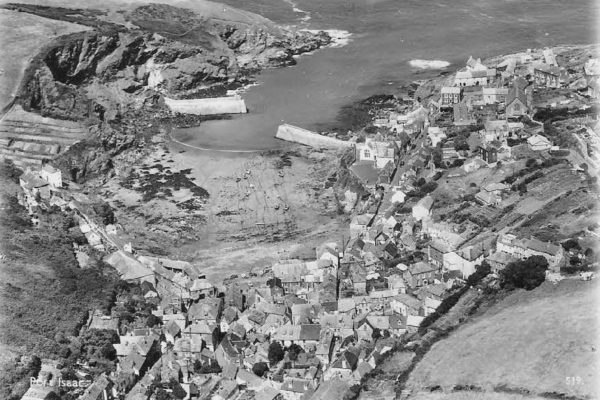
{"points": [[530, 342]]}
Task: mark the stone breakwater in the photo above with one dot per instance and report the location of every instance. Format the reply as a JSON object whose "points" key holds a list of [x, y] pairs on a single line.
{"points": [[303, 136], [208, 106]]}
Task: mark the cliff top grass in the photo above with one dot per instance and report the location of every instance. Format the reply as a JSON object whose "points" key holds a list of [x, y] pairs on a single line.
{"points": [[556, 322], [23, 35]]}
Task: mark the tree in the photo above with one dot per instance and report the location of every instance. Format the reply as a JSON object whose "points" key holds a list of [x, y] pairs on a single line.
{"points": [[210, 368], [437, 156], [152, 321], [527, 274], [178, 391], [481, 271], [531, 162], [276, 353], [376, 334], [161, 394], [293, 351], [9, 170], [197, 365], [460, 143], [260, 368], [571, 244], [429, 187]]}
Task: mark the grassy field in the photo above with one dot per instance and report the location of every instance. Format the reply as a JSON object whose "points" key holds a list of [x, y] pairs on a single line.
{"points": [[529, 342], [22, 36]]}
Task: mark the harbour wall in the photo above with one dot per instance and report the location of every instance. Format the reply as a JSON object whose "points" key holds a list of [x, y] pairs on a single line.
{"points": [[209, 106], [295, 134]]}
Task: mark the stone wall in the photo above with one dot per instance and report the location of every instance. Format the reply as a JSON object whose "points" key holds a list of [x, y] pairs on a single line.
{"points": [[209, 106], [303, 136]]}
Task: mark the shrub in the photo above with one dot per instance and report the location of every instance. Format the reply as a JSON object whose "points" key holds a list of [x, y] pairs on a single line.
{"points": [[152, 321], [571, 244], [481, 271], [293, 351], [260, 368], [429, 187], [9, 170], [276, 353], [458, 162]]}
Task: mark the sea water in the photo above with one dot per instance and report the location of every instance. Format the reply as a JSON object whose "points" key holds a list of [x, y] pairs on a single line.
{"points": [[391, 43]]}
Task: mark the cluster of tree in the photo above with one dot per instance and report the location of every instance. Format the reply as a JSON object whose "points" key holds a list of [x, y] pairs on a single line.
{"points": [[481, 271], [532, 168], [260, 369], [10, 171], [98, 343], [105, 212], [461, 143], [135, 306], [171, 390], [207, 367], [275, 353], [15, 376], [423, 190], [527, 274]]}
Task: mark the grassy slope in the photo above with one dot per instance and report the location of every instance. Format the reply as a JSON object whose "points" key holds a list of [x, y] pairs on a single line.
{"points": [[21, 36], [473, 396], [208, 9], [530, 340]]}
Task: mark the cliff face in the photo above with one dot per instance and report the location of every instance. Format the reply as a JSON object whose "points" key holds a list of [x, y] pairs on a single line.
{"points": [[166, 49], [104, 76]]}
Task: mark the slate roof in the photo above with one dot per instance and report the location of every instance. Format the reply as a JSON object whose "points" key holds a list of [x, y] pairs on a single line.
{"points": [[365, 171], [310, 332], [421, 267], [350, 358], [32, 180]]}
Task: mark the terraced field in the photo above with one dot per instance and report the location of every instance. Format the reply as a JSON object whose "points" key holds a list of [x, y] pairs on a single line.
{"points": [[28, 138]]}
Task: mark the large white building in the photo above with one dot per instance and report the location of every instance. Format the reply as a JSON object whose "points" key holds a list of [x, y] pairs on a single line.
{"points": [[380, 152], [422, 209]]}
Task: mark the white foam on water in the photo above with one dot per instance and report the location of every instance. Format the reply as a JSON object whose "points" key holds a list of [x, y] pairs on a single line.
{"points": [[339, 38], [429, 64], [298, 10]]}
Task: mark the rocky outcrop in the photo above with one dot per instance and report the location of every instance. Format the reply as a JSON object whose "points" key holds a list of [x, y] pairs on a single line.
{"points": [[117, 73]]}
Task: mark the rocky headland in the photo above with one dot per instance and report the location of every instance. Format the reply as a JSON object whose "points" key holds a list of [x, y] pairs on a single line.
{"points": [[117, 73]]}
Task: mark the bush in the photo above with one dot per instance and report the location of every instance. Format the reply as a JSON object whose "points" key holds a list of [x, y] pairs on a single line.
{"points": [[293, 351], [531, 162], [260, 368], [481, 271], [571, 244], [152, 321], [429, 187], [9, 170], [527, 274], [276, 353]]}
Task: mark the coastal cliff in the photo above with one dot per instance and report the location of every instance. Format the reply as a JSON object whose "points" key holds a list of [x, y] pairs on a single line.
{"points": [[122, 69]]}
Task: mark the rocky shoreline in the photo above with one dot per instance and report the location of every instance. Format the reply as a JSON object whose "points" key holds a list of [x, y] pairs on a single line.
{"points": [[115, 75]]}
